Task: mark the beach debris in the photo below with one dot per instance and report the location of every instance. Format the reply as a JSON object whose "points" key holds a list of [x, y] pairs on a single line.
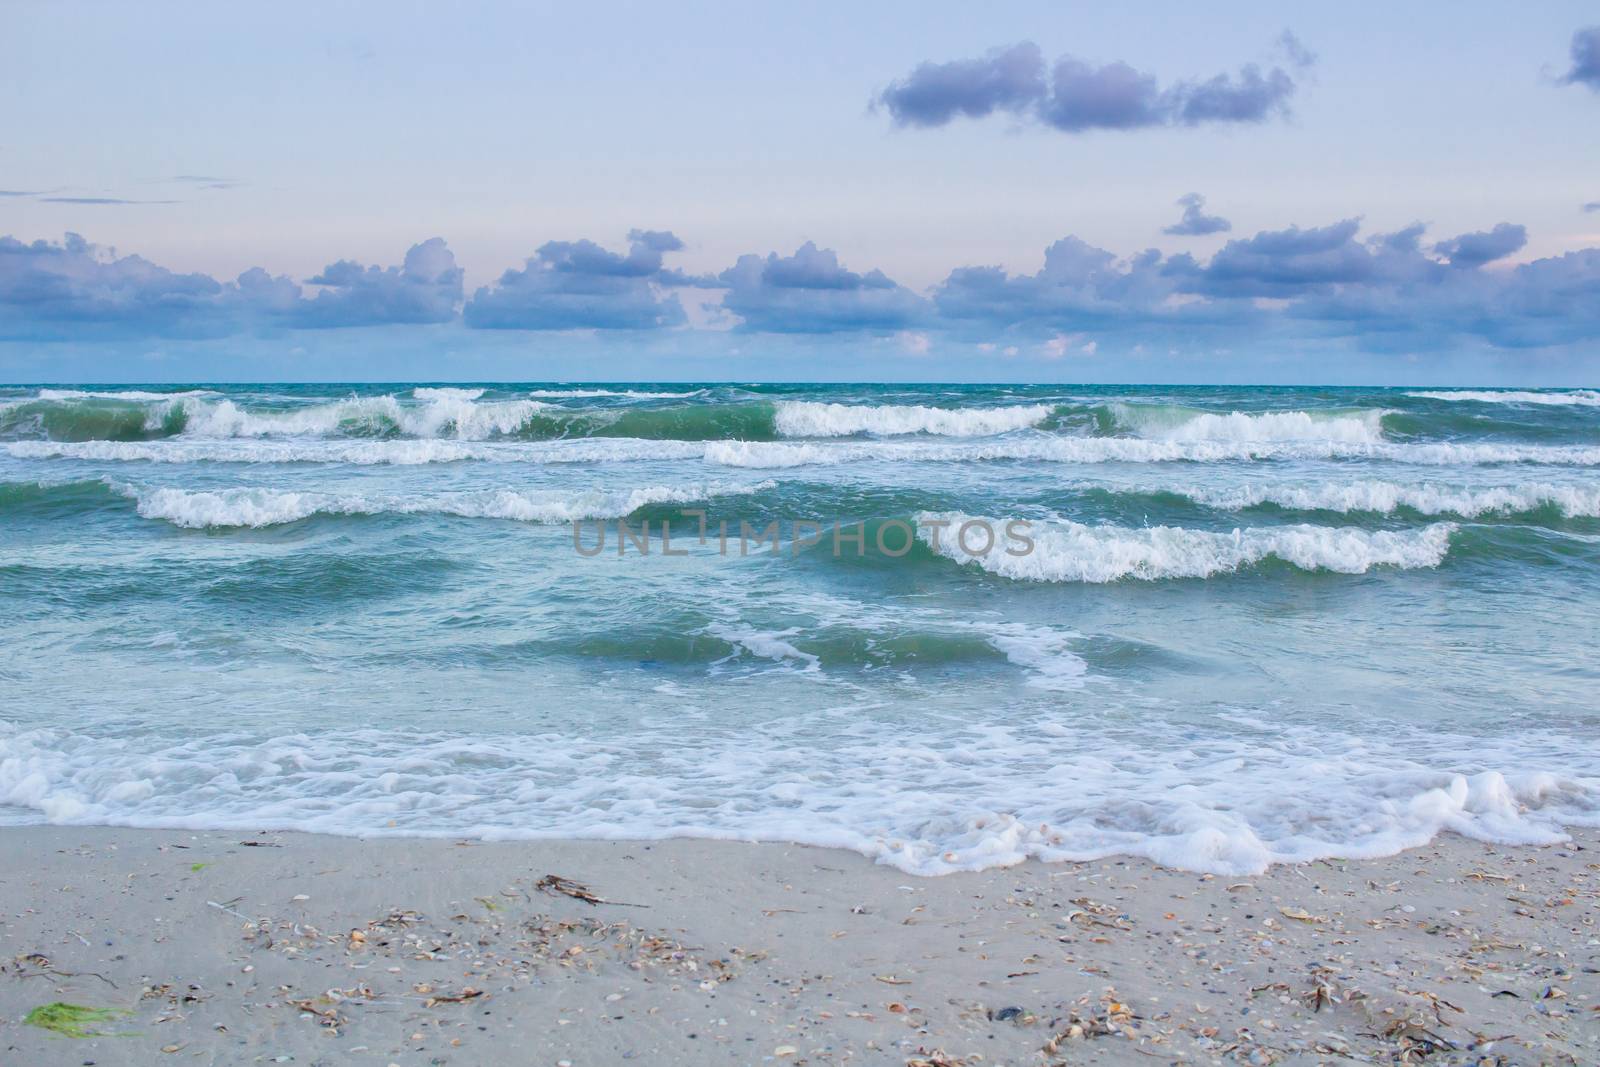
{"points": [[73, 1020], [1110, 1017], [469, 993], [1093, 913], [1301, 915], [38, 965], [554, 883], [889, 979], [940, 1058]]}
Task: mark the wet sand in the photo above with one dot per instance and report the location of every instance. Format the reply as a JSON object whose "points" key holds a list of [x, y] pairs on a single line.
{"points": [[287, 948]]}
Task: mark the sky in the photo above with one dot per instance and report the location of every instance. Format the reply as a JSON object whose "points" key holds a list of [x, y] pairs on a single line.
{"points": [[714, 191]]}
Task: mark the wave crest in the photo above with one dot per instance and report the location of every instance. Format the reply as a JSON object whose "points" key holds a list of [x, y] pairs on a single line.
{"points": [[805, 418], [1065, 551]]}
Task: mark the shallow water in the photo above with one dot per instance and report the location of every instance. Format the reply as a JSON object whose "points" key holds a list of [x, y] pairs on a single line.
{"points": [[1253, 626]]}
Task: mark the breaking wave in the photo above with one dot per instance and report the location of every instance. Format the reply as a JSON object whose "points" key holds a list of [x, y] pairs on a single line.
{"points": [[1065, 551], [205, 509], [1169, 423], [804, 418], [1389, 497], [1578, 397], [1044, 448]]}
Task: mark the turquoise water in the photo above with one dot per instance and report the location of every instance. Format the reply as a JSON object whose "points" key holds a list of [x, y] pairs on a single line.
{"points": [[1252, 625]]}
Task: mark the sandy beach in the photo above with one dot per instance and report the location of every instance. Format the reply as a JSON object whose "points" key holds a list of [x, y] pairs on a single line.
{"points": [[289, 948]]}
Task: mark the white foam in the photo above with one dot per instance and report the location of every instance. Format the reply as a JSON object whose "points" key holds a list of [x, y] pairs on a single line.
{"points": [[770, 645], [631, 394], [255, 507], [357, 452], [1065, 551], [1043, 651], [804, 418], [1044, 448], [131, 395], [1578, 397], [1050, 448], [945, 796], [1388, 497], [1182, 424], [446, 392], [443, 412]]}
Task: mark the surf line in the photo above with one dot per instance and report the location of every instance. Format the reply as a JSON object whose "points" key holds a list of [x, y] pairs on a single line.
{"points": [[891, 537]]}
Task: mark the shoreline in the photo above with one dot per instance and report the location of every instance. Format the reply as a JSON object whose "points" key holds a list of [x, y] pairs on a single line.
{"points": [[224, 947]]}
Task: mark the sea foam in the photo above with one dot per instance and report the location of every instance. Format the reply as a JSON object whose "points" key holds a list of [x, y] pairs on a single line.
{"points": [[201, 509], [803, 418], [1065, 551], [1388, 497], [1577, 397]]}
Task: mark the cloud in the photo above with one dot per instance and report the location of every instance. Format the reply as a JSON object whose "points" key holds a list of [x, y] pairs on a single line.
{"points": [[71, 288], [1287, 290], [810, 292], [1195, 222], [578, 285], [1472, 250], [1079, 286], [1585, 59], [1591, 206], [98, 201], [75, 289], [1005, 79], [1075, 95], [425, 288], [1380, 293]]}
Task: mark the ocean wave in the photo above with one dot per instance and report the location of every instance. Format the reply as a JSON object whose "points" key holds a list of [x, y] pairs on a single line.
{"points": [[1169, 423], [356, 452], [1044, 448], [1065, 551], [949, 797], [804, 418], [1577, 397], [589, 394], [443, 412], [1388, 497], [136, 396], [254, 507], [1055, 449]]}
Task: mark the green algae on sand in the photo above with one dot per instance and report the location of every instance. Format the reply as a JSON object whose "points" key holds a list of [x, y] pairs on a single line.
{"points": [[72, 1020]]}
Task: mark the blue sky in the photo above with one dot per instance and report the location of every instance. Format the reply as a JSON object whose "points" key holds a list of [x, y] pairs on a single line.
{"points": [[813, 233]]}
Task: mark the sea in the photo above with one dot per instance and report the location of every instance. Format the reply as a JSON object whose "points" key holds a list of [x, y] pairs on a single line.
{"points": [[949, 627]]}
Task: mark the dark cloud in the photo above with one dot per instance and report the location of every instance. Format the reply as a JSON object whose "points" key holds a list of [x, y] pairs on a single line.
{"points": [[19, 192], [1386, 292], [578, 285], [1472, 250], [1331, 285], [1005, 79], [1593, 205], [1076, 96], [1585, 59], [810, 292], [1080, 286], [425, 288], [72, 288], [1195, 222], [76, 289]]}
